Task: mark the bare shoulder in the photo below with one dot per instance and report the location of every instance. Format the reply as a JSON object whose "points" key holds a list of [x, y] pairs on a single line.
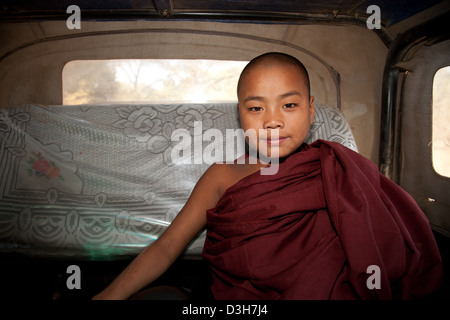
{"points": [[192, 216], [215, 181], [209, 188], [218, 177], [205, 195], [222, 176]]}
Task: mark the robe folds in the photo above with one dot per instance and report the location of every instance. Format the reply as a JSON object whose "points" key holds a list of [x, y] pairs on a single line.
{"points": [[327, 225]]}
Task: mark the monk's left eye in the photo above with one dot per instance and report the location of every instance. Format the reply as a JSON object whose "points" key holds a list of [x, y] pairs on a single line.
{"points": [[289, 105]]}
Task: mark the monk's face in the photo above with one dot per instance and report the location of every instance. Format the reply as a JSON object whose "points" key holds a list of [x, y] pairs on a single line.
{"points": [[276, 97]]}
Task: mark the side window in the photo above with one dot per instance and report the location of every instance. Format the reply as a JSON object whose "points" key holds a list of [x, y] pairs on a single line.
{"points": [[150, 81], [441, 121]]}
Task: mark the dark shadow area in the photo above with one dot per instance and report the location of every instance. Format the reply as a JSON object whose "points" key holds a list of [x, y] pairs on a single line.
{"points": [[443, 243], [37, 279], [33, 278]]}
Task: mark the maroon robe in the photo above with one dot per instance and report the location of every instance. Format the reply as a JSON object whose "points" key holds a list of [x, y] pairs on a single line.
{"points": [[312, 230]]}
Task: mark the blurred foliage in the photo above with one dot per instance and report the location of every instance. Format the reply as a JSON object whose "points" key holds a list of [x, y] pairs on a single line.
{"points": [[150, 81]]}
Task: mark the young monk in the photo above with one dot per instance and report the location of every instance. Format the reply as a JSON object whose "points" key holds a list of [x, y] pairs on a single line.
{"points": [[327, 225]]}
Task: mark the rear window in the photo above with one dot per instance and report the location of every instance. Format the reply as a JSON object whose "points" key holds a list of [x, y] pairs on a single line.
{"points": [[441, 122], [150, 81]]}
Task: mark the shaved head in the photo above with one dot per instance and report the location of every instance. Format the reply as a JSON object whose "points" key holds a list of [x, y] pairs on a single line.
{"points": [[275, 59]]}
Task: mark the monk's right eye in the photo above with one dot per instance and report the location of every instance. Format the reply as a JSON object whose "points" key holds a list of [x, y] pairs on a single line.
{"points": [[255, 109]]}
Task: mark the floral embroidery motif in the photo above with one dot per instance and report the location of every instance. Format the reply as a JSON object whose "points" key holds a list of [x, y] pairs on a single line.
{"points": [[43, 168], [154, 125], [139, 124]]}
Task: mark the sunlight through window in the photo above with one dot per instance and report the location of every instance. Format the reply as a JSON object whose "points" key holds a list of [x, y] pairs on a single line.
{"points": [[441, 121], [150, 81]]}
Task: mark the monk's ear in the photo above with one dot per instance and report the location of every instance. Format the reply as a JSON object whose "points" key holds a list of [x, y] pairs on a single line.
{"points": [[312, 109]]}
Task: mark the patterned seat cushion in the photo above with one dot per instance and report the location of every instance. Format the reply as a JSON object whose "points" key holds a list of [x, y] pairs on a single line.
{"points": [[100, 181]]}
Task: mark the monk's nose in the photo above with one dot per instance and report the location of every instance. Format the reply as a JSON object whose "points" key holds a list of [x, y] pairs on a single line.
{"points": [[273, 123]]}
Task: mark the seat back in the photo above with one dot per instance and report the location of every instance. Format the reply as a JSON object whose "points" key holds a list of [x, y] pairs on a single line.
{"points": [[100, 181]]}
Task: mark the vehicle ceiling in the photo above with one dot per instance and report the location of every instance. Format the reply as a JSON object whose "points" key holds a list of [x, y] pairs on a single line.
{"points": [[392, 11], [291, 11]]}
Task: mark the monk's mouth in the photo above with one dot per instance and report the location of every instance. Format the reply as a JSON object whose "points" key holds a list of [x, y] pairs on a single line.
{"points": [[275, 142]]}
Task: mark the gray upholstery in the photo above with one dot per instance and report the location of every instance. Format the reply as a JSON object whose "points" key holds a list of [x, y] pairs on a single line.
{"points": [[98, 181]]}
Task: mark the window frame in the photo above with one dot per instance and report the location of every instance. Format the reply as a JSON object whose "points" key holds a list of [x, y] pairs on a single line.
{"points": [[416, 171], [433, 151]]}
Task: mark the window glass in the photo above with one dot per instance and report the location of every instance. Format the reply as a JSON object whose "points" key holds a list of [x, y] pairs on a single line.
{"points": [[150, 81], [441, 122]]}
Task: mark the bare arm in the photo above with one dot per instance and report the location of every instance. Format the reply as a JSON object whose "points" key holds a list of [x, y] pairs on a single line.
{"points": [[159, 256]]}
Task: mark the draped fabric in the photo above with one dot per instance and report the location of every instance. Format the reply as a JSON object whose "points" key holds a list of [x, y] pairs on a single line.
{"points": [[328, 225]]}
